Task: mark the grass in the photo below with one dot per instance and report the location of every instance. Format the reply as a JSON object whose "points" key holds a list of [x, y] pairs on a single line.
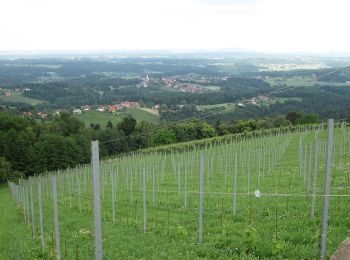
{"points": [[302, 81], [228, 106], [274, 100], [21, 99], [212, 88], [150, 110], [102, 118], [140, 114], [293, 81], [15, 239], [276, 225]]}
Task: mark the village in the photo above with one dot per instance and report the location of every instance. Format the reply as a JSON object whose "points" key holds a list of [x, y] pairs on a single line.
{"points": [[85, 108]]}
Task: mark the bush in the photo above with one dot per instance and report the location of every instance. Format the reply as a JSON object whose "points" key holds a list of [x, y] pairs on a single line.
{"points": [[5, 170]]}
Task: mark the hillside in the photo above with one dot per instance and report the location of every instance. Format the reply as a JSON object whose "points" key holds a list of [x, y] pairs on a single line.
{"points": [[102, 118], [262, 198], [15, 241], [20, 99]]}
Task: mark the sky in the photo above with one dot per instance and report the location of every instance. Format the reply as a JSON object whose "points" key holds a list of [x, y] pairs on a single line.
{"points": [[251, 25]]}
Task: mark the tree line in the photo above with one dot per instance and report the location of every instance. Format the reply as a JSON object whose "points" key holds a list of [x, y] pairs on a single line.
{"points": [[30, 147]]}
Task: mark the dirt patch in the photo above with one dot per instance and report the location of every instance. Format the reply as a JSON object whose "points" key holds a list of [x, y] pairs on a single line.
{"points": [[343, 251], [150, 110]]}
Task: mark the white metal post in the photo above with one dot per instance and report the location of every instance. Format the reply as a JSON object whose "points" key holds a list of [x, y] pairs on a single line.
{"points": [[96, 199], [327, 188]]}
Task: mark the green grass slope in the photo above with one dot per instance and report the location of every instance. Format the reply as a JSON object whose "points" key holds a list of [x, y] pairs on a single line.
{"points": [[20, 99], [236, 223], [102, 118], [140, 114], [15, 239]]}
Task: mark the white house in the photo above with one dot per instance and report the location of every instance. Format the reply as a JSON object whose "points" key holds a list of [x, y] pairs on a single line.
{"points": [[77, 111]]}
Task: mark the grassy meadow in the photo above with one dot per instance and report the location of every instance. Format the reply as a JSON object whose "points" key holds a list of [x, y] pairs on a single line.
{"points": [[20, 99], [102, 118]]}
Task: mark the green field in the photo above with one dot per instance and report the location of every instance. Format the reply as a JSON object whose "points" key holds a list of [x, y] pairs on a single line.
{"points": [[102, 118], [237, 224], [302, 81], [212, 88], [274, 100], [20, 99], [228, 106], [293, 81], [140, 114], [15, 240]]}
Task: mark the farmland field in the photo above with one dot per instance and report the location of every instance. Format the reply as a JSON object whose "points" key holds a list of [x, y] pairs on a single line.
{"points": [[19, 98], [141, 114], [302, 82], [227, 106], [102, 118], [258, 198]]}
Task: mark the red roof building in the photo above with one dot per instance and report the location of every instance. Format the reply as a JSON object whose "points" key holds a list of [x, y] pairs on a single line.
{"points": [[28, 114]]}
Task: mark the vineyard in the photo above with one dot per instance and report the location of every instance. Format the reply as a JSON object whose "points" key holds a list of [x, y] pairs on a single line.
{"points": [[239, 198]]}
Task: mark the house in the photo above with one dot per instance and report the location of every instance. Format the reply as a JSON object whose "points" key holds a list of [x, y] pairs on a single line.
{"points": [[125, 104], [59, 111], [129, 104], [42, 115], [263, 98], [85, 108], [101, 109], [27, 114], [156, 106], [8, 94], [113, 108], [76, 111]]}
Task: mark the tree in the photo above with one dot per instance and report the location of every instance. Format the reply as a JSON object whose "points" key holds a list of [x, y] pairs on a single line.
{"points": [[53, 152], [5, 170], [142, 137], [8, 121], [97, 127], [308, 119], [164, 136], [67, 125], [18, 150], [204, 130], [280, 121], [127, 125], [293, 117], [117, 146], [109, 124]]}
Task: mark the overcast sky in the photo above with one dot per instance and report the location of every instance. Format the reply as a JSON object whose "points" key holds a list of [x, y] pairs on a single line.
{"points": [[256, 25]]}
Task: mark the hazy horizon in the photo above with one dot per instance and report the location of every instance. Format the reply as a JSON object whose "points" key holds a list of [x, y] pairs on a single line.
{"points": [[154, 53]]}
